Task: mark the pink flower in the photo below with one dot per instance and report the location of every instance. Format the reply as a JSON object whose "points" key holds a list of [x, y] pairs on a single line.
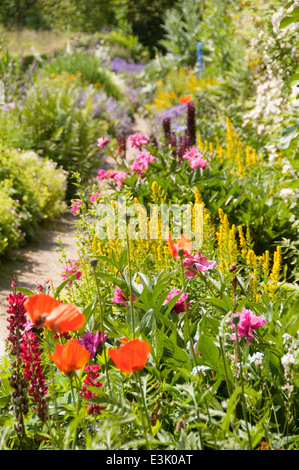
{"points": [[94, 197], [137, 140], [101, 142], [76, 206], [196, 263], [91, 380], [141, 162], [180, 303], [102, 174], [247, 322], [117, 176], [120, 298], [71, 268], [195, 158], [91, 341]]}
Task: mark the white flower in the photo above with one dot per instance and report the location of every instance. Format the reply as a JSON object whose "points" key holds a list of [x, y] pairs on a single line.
{"points": [[286, 192], [257, 358], [288, 359], [197, 369]]}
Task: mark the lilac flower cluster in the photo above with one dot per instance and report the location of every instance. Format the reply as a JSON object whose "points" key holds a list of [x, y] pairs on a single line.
{"points": [[121, 65]]}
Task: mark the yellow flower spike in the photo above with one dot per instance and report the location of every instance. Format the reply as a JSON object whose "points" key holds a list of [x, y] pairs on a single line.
{"points": [[232, 247], [200, 142], [154, 189], [240, 165], [197, 196], [243, 244], [251, 258], [266, 262], [248, 157]]}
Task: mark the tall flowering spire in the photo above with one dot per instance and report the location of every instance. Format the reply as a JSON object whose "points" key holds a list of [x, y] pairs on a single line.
{"points": [[34, 373], [167, 130], [18, 382], [191, 132]]}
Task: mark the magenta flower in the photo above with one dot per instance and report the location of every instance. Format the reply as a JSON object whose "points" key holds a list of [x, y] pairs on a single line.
{"points": [[101, 142], [91, 380], [195, 158], [196, 263], [92, 341], [76, 207], [247, 322], [102, 174], [31, 356], [119, 297], [71, 268], [180, 303], [94, 197], [137, 140], [118, 177], [141, 162]]}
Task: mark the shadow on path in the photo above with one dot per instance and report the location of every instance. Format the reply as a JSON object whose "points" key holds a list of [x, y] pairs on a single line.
{"points": [[36, 263]]}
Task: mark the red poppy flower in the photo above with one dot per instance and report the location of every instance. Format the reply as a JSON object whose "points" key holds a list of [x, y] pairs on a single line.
{"points": [[185, 99], [70, 356], [183, 243], [131, 355], [46, 311]]}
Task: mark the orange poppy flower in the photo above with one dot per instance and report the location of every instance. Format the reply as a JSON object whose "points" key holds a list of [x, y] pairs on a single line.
{"points": [[46, 311], [131, 355], [185, 99], [70, 356], [183, 243]]}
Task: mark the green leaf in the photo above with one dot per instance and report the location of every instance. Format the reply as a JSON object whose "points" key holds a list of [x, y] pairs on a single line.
{"points": [[208, 351], [148, 322]]}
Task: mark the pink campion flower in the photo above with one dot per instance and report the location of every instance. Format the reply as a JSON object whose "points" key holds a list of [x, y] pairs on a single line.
{"points": [[94, 197], [101, 142], [71, 268], [247, 322], [137, 140], [120, 298], [180, 303], [76, 207], [102, 174], [118, 177], [141, 162], [195, 158], [195, 263]]}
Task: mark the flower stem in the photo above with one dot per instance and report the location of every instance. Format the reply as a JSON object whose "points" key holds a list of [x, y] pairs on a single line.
{"points": [[138, 381], [102, 328], [239, 356], [130, 283]]}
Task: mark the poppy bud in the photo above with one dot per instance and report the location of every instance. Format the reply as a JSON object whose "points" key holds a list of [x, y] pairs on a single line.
{"points": [[93, 262]]}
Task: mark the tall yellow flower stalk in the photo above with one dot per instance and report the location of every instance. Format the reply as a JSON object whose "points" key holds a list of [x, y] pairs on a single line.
{"points": [[276, 271]]}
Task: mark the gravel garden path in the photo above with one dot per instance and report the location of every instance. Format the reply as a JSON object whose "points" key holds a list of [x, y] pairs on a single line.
{"points": [[41, 261], [37, 263]]}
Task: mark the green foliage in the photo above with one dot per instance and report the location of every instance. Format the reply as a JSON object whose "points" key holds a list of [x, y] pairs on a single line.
{"points": [[91, 70], [56, 127], [32, 190]]}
